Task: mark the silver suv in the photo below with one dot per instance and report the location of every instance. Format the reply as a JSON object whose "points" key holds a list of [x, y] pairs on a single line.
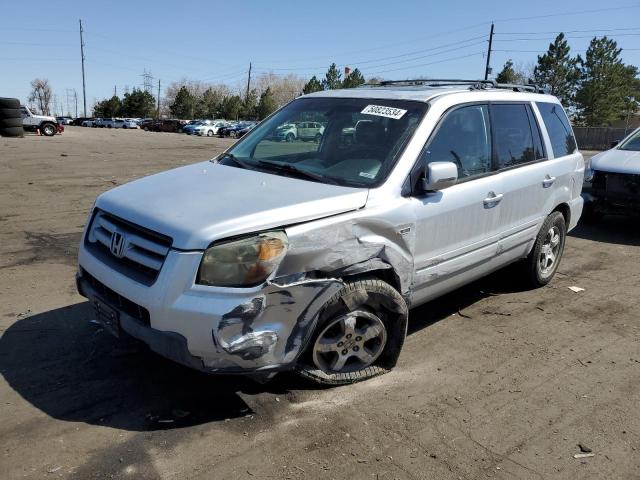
{"points": [[308, 256]]}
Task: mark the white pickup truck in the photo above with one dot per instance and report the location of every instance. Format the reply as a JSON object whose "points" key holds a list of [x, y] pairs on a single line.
{"points": [[48, 125]]}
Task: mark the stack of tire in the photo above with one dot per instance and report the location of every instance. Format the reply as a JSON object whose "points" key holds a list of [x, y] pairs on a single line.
{"points": [[10, 118]]}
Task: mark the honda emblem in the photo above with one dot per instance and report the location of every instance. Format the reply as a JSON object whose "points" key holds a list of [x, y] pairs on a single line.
{"points": [[118, 244]]}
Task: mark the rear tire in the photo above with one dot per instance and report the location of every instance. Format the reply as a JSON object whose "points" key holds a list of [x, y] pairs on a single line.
{"points": [[48, 129], [376, 316], [290, 137], [544, 259]]}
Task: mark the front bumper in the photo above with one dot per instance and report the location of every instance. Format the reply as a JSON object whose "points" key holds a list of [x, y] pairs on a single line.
{"points": [[227, 330], [613, 193]]}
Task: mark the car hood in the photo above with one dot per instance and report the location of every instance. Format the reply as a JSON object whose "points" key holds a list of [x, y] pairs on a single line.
{"points": [[617, 161], [200, 203]]}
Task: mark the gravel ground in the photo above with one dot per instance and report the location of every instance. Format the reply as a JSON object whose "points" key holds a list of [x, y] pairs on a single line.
{"points": [[495, 381]]}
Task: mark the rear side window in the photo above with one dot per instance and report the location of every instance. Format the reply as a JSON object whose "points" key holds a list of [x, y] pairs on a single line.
{"points": [[516, 139], [558, 127]]}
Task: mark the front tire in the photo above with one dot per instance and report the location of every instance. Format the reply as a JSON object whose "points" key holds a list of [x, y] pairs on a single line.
{"points": [[48, 129], [359, 335], [290, 138], [544, 259]]}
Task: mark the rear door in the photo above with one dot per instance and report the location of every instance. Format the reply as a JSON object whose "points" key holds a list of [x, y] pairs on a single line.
{"points": [[530, 176]]}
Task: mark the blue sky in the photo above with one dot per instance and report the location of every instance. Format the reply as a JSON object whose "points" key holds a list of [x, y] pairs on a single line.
{"points": [[215, 41]]}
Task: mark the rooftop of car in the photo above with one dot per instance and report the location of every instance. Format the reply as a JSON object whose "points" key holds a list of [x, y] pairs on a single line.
{"points": [[425, 90]]}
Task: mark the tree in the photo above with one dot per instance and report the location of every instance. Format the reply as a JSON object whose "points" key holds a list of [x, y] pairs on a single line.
{"points": [[249, 104], [41, 94], [283, 88], [354, 79], [108, 108], [332, 79], [313, 85], [183, 105], [508, 73], [138, 103], [558, 71], [230, 107], [606, 85], [266, 105]]}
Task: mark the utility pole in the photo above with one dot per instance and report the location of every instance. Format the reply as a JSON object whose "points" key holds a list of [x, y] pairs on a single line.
{"points": [[115, 90], [248, 82], [84, 90], [158, 112], [75, 97], [487, 69]]}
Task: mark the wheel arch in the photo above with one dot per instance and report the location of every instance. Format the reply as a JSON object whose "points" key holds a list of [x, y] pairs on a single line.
{"points": [[565, 210]]}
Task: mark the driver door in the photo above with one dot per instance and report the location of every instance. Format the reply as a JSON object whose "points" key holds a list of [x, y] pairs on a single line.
{"points": [[457, 228]]}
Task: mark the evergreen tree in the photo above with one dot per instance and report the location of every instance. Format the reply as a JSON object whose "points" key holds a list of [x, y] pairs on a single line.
{"points": [[354, 79], [249, 104], [138, 103], [266, 105], [108, 108], [508, 74], [332, 79], [558, 71], [313, 85], [230, 107], [184, 104], [605, 85]]}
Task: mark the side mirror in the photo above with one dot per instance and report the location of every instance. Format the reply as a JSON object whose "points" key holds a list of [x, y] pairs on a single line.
{"points": [[439, 175], [615, 143]]}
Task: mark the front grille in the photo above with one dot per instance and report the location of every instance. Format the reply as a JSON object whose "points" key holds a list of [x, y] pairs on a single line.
{"points": [[117, 301], [140, 253], [623, 184]]}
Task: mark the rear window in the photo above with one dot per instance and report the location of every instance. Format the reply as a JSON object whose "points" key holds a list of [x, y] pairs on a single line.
{"points": [[560, 133]]}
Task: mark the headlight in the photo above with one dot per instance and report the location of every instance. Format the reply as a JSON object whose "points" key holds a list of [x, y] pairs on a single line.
{"points": [[242, 263]]}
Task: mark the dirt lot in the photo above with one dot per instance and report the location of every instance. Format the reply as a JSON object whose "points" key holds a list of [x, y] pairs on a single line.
{"points": [[494, 382]]}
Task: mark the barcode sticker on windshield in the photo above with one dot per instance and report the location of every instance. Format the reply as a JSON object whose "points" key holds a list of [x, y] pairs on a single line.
{"points": [[382, 111]]}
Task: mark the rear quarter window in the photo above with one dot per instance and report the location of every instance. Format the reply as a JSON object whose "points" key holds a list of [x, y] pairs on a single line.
{"points": [[560, 133]]}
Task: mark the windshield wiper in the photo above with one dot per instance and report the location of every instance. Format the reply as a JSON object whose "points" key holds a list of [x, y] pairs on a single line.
{"points": [[286, 167], [237, 161]]}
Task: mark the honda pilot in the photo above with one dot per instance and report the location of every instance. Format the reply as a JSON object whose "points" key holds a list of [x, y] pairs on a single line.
{"points": [[307, 256]]}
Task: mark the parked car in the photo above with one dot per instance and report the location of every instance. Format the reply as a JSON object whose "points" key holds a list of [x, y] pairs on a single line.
{"points": [[64, 120], [78, 122], [47, 125], [224, 130], [129, 124], [147, 124], [99, 122], [310, 131], [271, 257], [287, 132], [88, 122], [231, 130], [242, 132], [612, 181], [170, 125], [211, 129], [190, 127]]}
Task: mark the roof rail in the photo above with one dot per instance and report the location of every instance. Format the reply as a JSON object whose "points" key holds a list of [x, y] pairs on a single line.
{"points": [[473, 84]]}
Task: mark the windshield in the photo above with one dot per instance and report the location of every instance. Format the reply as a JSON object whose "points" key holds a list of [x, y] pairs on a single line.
{"points": [[632, 143], [345, 141]]}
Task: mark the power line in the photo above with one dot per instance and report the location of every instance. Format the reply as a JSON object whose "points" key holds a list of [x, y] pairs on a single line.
{"points": [[570, 31], [426, 64], [564, 14]]}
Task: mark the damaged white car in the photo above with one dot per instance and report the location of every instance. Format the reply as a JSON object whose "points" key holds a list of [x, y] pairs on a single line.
{"points": [[307, 256], [612, 180]]}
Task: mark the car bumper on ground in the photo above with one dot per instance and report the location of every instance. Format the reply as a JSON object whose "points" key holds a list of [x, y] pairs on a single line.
{"points": [[211, 329]]}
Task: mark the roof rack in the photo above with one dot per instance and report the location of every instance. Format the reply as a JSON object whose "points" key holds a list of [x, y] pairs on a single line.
{"points": [[473, 84]]}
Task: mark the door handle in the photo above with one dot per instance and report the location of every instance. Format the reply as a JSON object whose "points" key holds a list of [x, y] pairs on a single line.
{"points": [[493, 199], [548, 181]]}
